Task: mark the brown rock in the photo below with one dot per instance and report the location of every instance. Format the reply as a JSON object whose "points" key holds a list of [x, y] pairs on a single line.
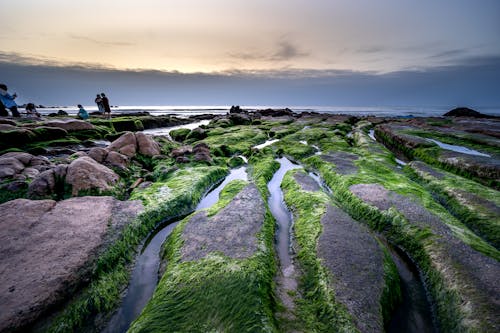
{"points": [[127, 139], [70, 124], [10, 166], [48, 250], [146, 145], [128, 150], [43, 185], [24, 158], [182, 159], [117, 160], [85, 174], [181, 151], [98, 154]]}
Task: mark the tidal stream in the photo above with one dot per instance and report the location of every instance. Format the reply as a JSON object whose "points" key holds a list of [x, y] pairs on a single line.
{"points": [[144, 276]]}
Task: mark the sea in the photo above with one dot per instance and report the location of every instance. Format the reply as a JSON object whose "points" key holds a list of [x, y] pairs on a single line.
{"points": [[186, 111]]}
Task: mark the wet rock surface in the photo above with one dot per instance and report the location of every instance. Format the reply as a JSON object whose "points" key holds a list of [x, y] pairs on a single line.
{"points": [[355, 260], [478, 271], [306, 182], [49, 248], [231, 231], [344, 162]]}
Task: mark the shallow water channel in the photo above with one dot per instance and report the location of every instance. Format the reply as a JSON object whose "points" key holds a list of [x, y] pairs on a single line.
{"points": [[144, 276], [281, 213]]}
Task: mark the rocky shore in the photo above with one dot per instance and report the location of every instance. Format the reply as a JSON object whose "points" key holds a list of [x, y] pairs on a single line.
{"points": [[78, 200]]}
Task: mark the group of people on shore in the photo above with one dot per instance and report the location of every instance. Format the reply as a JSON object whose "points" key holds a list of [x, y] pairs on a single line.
{"points": [[7, 102]]}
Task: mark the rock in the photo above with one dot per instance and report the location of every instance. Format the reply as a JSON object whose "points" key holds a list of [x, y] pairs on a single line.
{"points": [[98, 154], [46, 133], [182, 159], [179, 134], [70, 125], [49, 249], [147, 145], [466, 112], [14, 186], [43, 185], [197, 134], [24, 158], [240, 119], [7, 127], [344, 162], [306, 182], [16, 138], [31, 172], [39, 160], [202, 152], [116, 159], [181, 151], [86, 174], [355, 259], [233, 231], [125, 144], [62, 113], [10, 166], [8, 122]]}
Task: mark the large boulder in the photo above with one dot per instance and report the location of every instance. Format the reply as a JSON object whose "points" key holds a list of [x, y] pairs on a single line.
{"points": [[125, 144], [86, 174], [98, 154], [10, 166], [49, 250], [117, 160], [70, 124], [16, 137], [146, 145]]}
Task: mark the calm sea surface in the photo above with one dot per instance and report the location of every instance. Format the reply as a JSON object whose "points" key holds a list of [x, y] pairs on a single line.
{"points": [[223, 109]]}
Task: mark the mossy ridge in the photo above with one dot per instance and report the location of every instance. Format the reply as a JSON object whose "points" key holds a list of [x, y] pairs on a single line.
{"points": [[226, 195], [480, 143], [447, 190], [111, 274], [238, 139], [430, 155], [380, 168], [261, 168], [317, 309], [420, 243], [216, 293]]}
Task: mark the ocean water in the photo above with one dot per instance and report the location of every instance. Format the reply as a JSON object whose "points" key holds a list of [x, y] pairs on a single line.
{"points": [[223, 109]]}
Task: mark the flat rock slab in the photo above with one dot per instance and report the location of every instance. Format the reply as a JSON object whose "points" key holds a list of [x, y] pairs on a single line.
{"points": [[355, 259], [306, 182], [48, 248], [478, 271], [344, 162], [421, 167], [232, 231]]}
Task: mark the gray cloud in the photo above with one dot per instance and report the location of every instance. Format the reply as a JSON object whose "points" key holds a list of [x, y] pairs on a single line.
{"points": [[100, 42], [285, 50]]}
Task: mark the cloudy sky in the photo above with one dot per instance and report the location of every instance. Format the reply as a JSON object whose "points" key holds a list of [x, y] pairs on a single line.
{"points": [[336, 52]]}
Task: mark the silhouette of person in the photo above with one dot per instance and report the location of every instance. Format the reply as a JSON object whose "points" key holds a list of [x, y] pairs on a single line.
{"points": [[3, 110], [105, 104], [98, 101], [8, 100], [31, 109]]}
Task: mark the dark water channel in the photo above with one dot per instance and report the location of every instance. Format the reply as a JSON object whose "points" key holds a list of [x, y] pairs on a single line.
{"points": [[280, 212], [414, 314], [144, 276]]}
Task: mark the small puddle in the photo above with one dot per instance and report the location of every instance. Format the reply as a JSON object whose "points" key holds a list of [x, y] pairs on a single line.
{"points": [[166, 130], [144, 276], [371, 134], [414, 314], [303, 142], [265, 144], [458, 149]]}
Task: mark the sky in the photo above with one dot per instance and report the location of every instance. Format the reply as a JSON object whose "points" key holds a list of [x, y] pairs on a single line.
{"points": [[321, 52]]}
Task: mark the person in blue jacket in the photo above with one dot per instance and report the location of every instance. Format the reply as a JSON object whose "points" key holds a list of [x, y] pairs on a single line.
{"points": [[82, 113], [8, 100]]}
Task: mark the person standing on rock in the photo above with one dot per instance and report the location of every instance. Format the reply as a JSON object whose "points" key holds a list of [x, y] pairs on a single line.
{"points": [[98, 101], [8, 100], [105, 104]]}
